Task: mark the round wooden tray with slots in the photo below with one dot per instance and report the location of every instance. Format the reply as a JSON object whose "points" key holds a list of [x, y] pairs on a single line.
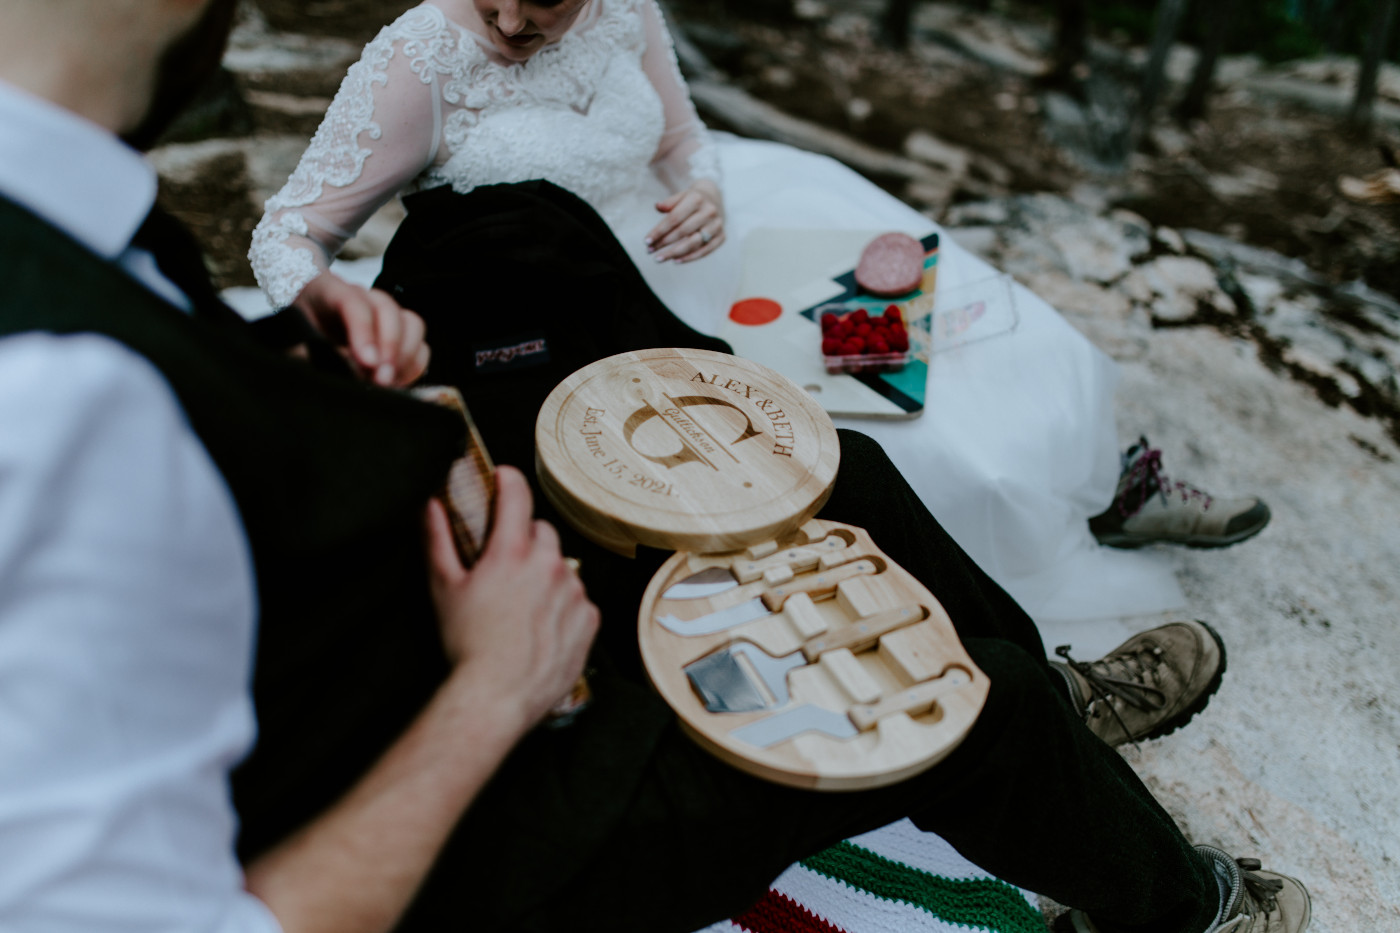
{"points": [[789, 646], [878, 685]]}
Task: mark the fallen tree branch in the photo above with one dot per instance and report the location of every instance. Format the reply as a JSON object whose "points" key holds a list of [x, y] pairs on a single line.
{"points": [[715, 97], [749, 116], [1267, 262], [692, 61]]}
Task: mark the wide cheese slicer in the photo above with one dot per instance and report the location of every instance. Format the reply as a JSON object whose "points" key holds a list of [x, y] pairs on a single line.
{"points": [[723, 679]]}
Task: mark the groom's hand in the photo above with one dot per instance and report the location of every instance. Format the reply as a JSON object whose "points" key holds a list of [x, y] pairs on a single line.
{"points": [[384, 340], [519, 618]]}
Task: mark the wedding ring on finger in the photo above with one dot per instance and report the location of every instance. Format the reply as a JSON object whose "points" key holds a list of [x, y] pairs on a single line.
{"points": [[704, 237]]}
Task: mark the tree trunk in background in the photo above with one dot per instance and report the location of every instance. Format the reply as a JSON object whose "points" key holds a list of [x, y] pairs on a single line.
{"points": [[894, 23], [1363, 105], [1071, 41], [1221, 18], [1154, 78]]}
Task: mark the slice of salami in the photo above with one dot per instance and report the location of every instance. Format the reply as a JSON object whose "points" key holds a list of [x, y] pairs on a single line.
{"points": [[892, 264]]}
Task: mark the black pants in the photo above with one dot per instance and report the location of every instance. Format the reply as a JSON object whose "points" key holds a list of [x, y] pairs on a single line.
{"points": [[621, 822]]}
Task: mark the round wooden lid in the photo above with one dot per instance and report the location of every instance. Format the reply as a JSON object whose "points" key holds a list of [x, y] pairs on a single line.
{"points": [[687, 450]]}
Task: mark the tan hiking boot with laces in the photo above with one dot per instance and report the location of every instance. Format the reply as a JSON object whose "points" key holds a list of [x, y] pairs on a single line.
{"points": [[1258, 901], [1150, 685], [1149, 508], [1252, 901]]}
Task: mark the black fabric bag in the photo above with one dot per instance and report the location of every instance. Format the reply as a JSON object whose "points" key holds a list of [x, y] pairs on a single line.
{"points": [[520, 286]]}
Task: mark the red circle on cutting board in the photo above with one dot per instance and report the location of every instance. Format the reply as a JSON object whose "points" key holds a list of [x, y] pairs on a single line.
{"points": [[755, 311]]}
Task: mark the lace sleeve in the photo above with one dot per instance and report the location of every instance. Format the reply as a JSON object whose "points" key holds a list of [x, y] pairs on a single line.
{"points": [[380, 132], [687, 152]]}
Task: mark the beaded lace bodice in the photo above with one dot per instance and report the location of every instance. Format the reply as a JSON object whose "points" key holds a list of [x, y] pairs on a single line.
{"points": [[429, 104]]}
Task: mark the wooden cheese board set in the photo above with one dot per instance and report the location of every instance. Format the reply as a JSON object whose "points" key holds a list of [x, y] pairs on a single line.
{"points": [[789, 646]]}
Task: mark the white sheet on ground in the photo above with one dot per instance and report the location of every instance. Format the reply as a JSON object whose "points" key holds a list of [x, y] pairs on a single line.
{"points": [[1017, 446]]}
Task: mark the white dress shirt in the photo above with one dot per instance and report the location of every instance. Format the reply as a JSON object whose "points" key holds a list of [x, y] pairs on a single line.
{"points": [[127, 604]]}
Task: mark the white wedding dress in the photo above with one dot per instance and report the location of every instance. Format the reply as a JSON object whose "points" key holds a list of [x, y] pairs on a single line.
{"points": [[1017, 445]]}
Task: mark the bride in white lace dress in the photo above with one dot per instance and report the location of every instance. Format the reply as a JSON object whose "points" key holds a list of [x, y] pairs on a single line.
{"points": [[1018, 445]]}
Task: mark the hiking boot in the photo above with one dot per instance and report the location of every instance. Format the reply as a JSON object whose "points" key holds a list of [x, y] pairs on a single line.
{"points": [[1149, 508], [1257, 901], [1150, 685], [1252, 901]]}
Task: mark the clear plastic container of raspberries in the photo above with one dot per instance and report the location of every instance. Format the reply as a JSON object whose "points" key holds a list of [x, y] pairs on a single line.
{"points": [[861, 341]]}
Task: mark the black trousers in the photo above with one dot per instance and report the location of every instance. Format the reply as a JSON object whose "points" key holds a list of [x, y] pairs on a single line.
{"points": [[620, 822]]}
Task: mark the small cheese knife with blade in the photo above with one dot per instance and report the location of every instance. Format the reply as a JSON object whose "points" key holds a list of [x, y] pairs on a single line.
{"points": [[722, 680], [768, 602], [808, 717], [715, 580]]}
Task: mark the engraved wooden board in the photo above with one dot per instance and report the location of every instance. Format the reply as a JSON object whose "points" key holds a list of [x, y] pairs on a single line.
{"points": [[915, 683], [683, 449]]}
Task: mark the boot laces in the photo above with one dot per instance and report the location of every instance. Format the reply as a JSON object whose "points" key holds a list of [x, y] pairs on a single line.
{"points": [[1258, 891], [1128, 676], [1143, 477]]}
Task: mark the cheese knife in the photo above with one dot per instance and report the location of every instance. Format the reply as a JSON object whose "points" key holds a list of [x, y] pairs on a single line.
{"points": [[715, 580], [768, 602], [808, 717]]}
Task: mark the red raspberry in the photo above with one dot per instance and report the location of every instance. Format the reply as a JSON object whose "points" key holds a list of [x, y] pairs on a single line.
{"points": [[831, 347], [899, 342], [860, 315], [828, 321], [852, 345], [879, 345], [893, 313], [863, 329]]}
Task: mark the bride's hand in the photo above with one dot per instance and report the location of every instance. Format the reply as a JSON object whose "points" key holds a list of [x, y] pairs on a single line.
{"points": [[384, 340], [693, 225]]}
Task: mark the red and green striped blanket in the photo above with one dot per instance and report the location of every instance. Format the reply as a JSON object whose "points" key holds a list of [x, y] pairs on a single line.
{"points": [[896, 879]]}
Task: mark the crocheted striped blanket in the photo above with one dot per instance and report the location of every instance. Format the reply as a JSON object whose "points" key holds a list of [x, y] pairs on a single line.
{"points": [[896, 879]]}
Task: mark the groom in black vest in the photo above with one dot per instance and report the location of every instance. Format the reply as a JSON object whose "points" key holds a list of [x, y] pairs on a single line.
{"points": [[182, 503]]}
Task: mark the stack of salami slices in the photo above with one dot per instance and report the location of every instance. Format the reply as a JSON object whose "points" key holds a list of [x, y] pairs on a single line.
{"points": [[891, 265]]}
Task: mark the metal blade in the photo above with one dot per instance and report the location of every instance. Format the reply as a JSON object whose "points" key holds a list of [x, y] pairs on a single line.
{"points": [[788, 723], [708, 582], [716, 621], [723, 682], [714, 580], [723, 685], [774, 671]]}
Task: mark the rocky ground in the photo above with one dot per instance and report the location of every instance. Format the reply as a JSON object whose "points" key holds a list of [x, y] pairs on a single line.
{"points": [[1298, 756], [1252, 310]]}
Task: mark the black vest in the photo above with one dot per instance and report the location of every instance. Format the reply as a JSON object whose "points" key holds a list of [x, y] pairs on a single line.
{"points": [[330, 477]]}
